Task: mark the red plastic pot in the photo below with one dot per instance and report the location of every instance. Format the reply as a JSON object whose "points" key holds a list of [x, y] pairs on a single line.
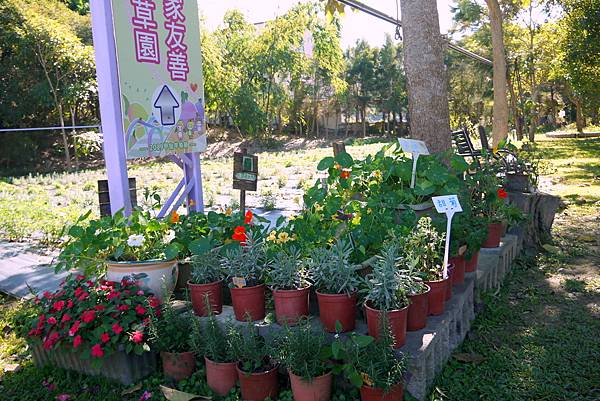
{"points": [[337, 307], [396, 319], [258, 386], [291, 305], [494, 234], [458, 275], [178, 365], [248, 302], [319, 389], [199, 293], [396, 393], [221, 377], [437, 296], [449, 282], [471, 264], [418, 311]]}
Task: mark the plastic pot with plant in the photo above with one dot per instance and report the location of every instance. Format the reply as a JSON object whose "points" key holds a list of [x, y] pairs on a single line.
{"points": [[337, 281], [418, 298], [206, 282], [386, 295], [170, 335], [288, 279], [305, 353], [245, 266], [257, 372]]}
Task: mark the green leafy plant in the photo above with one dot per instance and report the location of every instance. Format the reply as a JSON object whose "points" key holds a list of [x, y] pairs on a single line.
{"points": [[332, 271], [303, 350], [423, 248], [212, 340], [288, 270], [206, 268], [248, 262], [170, 329], [250, 349], [386, 286]]}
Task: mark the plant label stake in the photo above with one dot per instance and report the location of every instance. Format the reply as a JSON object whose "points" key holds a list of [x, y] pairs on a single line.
{"points": [[416, 148], [245, 174], [448, 205]]}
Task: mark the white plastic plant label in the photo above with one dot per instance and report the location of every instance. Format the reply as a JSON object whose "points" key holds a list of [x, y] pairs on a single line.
{"points": [[449, 205], [416, 148], [239, 282]]}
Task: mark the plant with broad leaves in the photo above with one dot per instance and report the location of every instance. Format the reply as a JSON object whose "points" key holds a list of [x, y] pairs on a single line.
{"points": [[423, 248], [332, 271]]}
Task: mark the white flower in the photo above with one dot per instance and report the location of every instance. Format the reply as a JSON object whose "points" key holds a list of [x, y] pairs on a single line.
{"points": [[170, 236], [136, 240]]}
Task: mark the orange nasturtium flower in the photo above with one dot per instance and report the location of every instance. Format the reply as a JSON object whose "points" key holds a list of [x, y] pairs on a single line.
{"points": [[249, 217], [174, 217], [239, 234], [345, 174], [502, 194]]}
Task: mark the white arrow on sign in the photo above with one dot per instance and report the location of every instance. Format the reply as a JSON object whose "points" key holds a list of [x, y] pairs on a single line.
{"points": [[167, 103]]}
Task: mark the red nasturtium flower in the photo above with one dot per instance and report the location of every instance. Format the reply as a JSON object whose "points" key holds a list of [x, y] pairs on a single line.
{"points": [[97, 351], [137, 337], [239, 234], [502, 194], [345, 174], [249, 217]]}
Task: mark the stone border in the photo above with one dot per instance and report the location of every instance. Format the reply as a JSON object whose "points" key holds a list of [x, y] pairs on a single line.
{"points": [[565, 135]]}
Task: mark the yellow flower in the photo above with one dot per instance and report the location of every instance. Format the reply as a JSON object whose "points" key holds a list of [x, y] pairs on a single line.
{"points": [[495, 150], [291, 217], [283, 237], [318, 208], [377, 174], [369, 210], [228, 211], [356, 219], [294, 237], [272, 236]]}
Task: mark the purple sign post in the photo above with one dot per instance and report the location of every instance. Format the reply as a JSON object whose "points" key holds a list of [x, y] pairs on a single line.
{"points": [[151, 91]]}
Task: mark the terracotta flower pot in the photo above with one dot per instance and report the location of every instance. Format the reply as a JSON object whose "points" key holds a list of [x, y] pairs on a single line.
{"points": [[449, 282], [248, 301], [396, 319], [319, 389], [178, 365], [418, 311], [437, 296], [221, 377], [458, 275], [156, 276], [258, 386], [471, 264], [396, 393], [494, 234], [291, 305], [337, 307], [198, 294]]}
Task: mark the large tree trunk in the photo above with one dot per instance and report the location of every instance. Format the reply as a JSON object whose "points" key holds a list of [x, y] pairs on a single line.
{"points": [[425, 74], [500, 111], [579, 118]]}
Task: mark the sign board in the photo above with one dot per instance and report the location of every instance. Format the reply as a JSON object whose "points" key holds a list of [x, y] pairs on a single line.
{"points": [[245, 171], [449, 205], [160, 76], [417, 148]]}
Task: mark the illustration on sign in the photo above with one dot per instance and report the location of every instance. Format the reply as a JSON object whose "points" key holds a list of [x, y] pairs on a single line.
{"points": [[160, 76]]}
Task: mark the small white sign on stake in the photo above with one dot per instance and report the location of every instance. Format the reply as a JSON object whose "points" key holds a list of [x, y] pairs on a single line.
{"points": [[416, 148], [449, 205]]}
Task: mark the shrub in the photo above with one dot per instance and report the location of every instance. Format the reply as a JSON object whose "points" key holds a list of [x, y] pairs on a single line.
{"points": [[332, 271]]}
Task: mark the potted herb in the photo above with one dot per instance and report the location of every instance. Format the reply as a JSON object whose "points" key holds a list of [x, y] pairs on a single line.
{"points": [[386, 294], [245, 266], [206, 282], [136, 248], [170, 335], [381, 369], [305, 354], [474, 239], [418, 295], [288, 279], [337, 281], [257, 372], [94, 326], [214, 342], [425, 246]]}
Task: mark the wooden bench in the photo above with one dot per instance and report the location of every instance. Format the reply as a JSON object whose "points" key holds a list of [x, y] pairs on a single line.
{"points": [[465, 148]]}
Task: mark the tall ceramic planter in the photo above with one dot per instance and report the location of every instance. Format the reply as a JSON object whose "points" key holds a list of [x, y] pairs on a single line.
{"points": [[396, 319], [396, 393], [458, 275], [494, 235], [337, 307], [319, 389], [221, 377], [199, 293], [436, 297], [248, 302], [178, 365], [258, 386], [291, 305], [418, 310], [157, 276], [471, 264]]}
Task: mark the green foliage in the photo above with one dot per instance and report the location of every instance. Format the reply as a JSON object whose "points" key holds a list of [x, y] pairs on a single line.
{"points": [[332, 271], [170, 331], [385, 288], [248, 262], [250, 348], [424, 248], [213, 340], [303, 350], [288, 270], [206, 268]]}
